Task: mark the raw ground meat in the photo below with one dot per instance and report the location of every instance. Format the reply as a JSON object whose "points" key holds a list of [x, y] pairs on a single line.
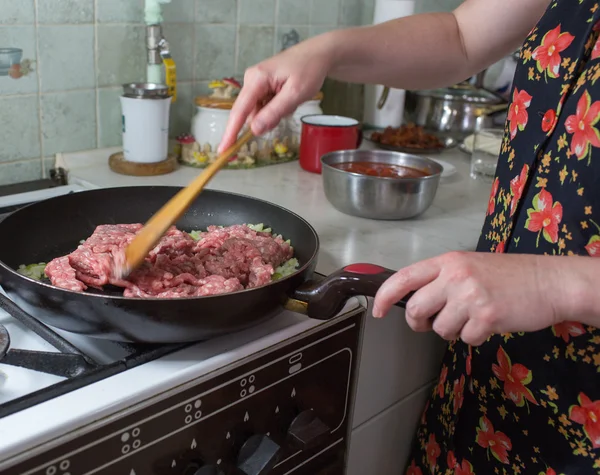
{"points": [[223, 260]]}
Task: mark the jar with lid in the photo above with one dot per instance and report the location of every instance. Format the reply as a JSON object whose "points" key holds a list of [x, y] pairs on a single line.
{"points": [[208, 128], [294, 122]]}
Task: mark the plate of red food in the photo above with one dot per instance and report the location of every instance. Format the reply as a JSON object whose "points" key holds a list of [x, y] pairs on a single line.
{"points": [[409, 138]]}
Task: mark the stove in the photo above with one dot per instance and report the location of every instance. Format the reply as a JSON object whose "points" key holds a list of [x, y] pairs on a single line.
{"points": [[274, 399]]}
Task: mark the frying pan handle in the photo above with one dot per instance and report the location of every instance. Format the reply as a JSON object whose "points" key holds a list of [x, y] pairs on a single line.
{"points": [[326, 299]]}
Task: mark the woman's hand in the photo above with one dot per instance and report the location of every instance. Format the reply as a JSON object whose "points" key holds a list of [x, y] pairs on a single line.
{"points": [[474, 295], [274, 88]]}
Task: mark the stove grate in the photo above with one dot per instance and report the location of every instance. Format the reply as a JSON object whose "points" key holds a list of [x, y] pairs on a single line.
{"points": [[69, 362]]}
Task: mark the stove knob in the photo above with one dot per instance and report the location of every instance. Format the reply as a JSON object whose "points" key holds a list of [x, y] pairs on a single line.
{"points": [[258, 455], [209, 470], [307, 430], [199, 469]]}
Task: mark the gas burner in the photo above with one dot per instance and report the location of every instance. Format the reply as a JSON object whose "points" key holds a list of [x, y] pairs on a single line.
{"points": [[71, 367], [4, 341]]}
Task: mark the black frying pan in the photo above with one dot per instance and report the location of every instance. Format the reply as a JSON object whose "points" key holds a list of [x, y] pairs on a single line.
{"points": [[51, 228]]}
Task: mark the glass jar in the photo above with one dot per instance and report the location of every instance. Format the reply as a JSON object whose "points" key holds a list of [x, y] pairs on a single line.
{"points": [[208, 127]]}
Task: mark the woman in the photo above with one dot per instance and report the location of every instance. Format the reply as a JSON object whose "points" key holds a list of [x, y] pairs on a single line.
{"points": [[519, 390]]}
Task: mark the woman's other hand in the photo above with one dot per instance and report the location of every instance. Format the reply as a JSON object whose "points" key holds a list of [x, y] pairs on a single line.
{"points": [[471, 295]]}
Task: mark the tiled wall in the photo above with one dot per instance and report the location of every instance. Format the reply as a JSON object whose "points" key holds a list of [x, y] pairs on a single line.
{"points": [[423, 6], [73, 55]]}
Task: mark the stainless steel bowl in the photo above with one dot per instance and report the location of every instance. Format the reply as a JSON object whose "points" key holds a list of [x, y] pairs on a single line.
{"points": [[375, 197]]}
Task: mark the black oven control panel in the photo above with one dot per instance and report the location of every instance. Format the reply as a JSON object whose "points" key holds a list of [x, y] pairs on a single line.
{"points": [[287, 411]]}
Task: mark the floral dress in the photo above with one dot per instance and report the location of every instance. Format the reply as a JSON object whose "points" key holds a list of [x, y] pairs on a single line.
{"points": [[530, 403]]}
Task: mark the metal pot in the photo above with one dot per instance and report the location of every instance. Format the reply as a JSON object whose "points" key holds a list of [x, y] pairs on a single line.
{"points": [[375, 197], [456, 111]]}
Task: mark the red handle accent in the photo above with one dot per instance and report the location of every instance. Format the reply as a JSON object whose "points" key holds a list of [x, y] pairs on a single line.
{"points": [[365, 269]]}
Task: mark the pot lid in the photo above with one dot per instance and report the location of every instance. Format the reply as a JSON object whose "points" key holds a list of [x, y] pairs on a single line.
{"points": [[146, 90], [466, 94]]}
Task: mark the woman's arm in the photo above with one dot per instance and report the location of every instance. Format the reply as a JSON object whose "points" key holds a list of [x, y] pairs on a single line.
{"points": [[419, 51], [433, 49]]}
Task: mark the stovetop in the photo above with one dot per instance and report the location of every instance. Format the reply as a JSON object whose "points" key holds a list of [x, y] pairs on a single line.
{"points": [[55, 381]]}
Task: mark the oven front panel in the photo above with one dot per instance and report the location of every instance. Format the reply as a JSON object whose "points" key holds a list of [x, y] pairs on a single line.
{"points": [[284, 412]]}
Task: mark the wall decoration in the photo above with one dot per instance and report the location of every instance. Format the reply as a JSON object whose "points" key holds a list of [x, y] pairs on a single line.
{"points": [[12, 63]]}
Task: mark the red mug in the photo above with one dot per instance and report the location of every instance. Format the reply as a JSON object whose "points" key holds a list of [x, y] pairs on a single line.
{"points": [[322, 134]]}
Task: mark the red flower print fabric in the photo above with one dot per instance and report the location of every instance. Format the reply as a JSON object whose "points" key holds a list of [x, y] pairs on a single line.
{"points": [[545, 216], [433, 452], [515, 378], [588, 415], [529, 403], [517, 185], [582, 126], [495, 441], [568, 330], [517, 112], [492, 200], [547, 54]]}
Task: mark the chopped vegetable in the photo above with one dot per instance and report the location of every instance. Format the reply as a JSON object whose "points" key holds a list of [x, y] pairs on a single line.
{"points": [[285, 269], [259, 228], [33, 271]]}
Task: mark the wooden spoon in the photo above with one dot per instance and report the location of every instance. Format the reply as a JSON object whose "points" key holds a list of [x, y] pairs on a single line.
{"points": [[157, 226]]}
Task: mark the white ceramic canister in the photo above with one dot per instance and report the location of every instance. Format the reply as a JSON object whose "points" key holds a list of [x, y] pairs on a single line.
{"points": [[145, 119], [208, 125], [312, 107]]}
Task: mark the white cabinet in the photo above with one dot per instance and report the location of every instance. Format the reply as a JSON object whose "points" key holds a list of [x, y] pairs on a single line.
{"points": [[382, 445], [394, 362]]}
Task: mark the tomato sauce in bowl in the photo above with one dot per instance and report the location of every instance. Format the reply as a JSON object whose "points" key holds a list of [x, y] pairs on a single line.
{"points": [[382, 170]]}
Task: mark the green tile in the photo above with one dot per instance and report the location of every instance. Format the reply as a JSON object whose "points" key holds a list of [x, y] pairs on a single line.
{"points": [[255, 45], [66, 57], [182, 110], [215, 51], [16, 11], [257, 12], [201, 89], [21, 38], [120, 11], [121, 54], [367, 12], [110, 132], [427, 6], [181, 40], [19, 128], [293, 12], [68, 121], [19, 172], [325, 12], [65, 11], [350, 13], [317, 30], [48, 164], [285, 33], [216, 11], [181, 11]]}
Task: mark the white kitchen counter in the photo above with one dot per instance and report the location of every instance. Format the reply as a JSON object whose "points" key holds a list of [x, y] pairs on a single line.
{"points": [[452, 222], [396, 364]]}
